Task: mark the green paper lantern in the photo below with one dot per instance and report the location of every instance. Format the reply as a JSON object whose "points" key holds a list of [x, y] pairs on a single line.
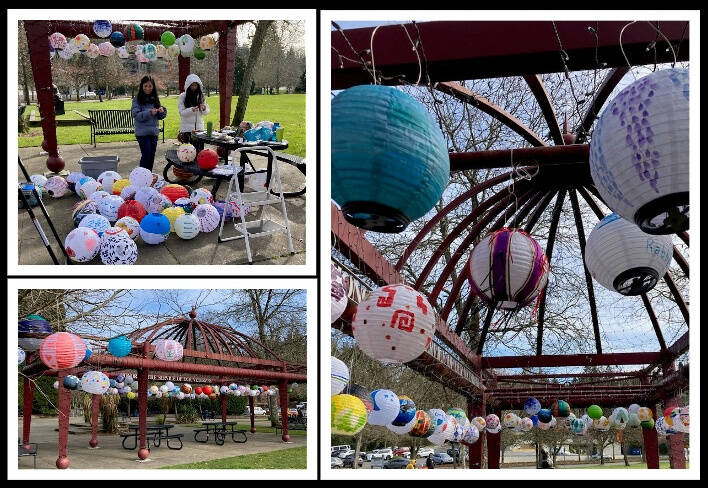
{"points": [[134, 32], [594, 412], [199, 53], [348, 415], [648, 424], [167, 38], [560, 408]]}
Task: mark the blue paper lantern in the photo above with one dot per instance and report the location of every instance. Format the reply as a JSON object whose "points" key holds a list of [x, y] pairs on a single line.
{"points": [[532, 406], [544, 415], [112, 383], [406, 413], [70, 382], [102, 28], [390, 162], [117, 39], [88, 354], [120, 378], [119, 346], [534, 419], [32, 324], [154, 228]]}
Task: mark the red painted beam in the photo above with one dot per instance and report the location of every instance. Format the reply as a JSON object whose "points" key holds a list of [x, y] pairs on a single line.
{"points": [[227, 59], [71, 28], [573, 154], [557, 361], [544, 101], [564, 375], [465, 50], [599, 99]]}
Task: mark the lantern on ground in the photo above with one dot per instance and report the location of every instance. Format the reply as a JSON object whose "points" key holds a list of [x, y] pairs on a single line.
{"points": [[109, 206], [532, 406], [639, 152], [132, 208], [106, 49], [140, 177], [508, 269], [594, 412], [186, 153], [187, 226], [385, 407], [390, 162], [338, 294], [87, 186], [208, 217], [340, 376], [57, 41], [119, 346], [82, 244], [117, 40], [169, 350], [56, 186], [172, 213], [201, 195], [62, 350], [187, 204], [154, 228], [97, 196], [94, 382], [134, 32], [421, 424], [207, 159], [102, 28], [348, 415], [119, 185], [82, 209], [39, 180], [624, 259], [130, 226], [97, 223], [560, 408], [174, 192], [117, 247], [394, 324]]}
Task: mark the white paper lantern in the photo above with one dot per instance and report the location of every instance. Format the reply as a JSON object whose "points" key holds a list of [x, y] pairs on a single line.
{"points": [[20, 355], [130, 226], [97, 222], [186, 153], [106, 49], [444, 426], [208, 217], [511, 420], [508, 269], [624, 259], [95, 382], [173, 51], [118, 248], [69, 50], [148, 197], [82, 42], [187, 226], [471, 434], [639, 152], [86, 189], [97, 196], [92, 52], [39, 180], [109, 206], [603, 424], [186, 45], [160, 51], [57, 41], [633, 408], [56, 186], [123, 52], [169, 350], [206, 42], [82, 244], [479, 422], [129, 192], [526, 424], [338, 294], [386, 406], [140, 177], [394, 324], [340, 376], [201, 195], [645, 414], [402, 429]]}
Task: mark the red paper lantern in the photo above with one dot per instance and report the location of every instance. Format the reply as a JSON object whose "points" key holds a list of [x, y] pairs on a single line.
{"points": [[198, 390], [173, 192], [207, 159], [207, 390], [132, 208], [62, 350]]}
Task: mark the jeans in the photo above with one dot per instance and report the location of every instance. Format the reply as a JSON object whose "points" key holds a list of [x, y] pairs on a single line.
{"points": [[148, 146]]}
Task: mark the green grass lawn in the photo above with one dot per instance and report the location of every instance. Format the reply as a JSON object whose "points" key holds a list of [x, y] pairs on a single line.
{"points": [[620, 465], [292, 458], [288, 110]]}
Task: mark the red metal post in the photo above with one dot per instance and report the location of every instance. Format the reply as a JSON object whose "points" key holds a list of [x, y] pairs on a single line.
{"points": [[143, 451], [253, 419], [27, 398], [95, 406], [223, 408], [64, 413], [283, 394], [183, 67], [227, 59], [651, 445], [476, 409], [493, 447], [37, 40]]}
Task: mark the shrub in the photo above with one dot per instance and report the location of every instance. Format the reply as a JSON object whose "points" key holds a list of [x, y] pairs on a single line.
{"points": [[187, 414]]}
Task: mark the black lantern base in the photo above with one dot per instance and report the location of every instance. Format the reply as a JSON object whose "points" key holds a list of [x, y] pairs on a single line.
{"points": [[375, 216], [636, 281], [665, 215]]}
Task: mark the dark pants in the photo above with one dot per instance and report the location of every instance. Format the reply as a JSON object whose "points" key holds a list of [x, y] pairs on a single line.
{"points": [[148, 146]]}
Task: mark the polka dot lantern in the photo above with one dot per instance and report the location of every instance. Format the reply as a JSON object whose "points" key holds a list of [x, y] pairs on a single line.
{"points": [[508, 269], [96, 222], [117, 247], [106, 49], [57, 41], [187, 226], [208, 217], [206, 42], [385, 407], [624, 259], [119, 346], [201, 195], [186, 45], [109, 207], [82, 42], [173, 192], [94, 382], [117, 40], [56, 186], [169, 350], [62, 350], [132, 208], [134, 32], [154, 228], [167, 38], [130, 226], [186, 153], [339, 375], [532, 406], [172, 213], [394, 324], [82, 244], [338, 294], [639, 152], [385, 148], [560, 408]]}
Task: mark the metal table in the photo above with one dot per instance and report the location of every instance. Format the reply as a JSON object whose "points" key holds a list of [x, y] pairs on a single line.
{"points": [[220, 431], [154, 431]]}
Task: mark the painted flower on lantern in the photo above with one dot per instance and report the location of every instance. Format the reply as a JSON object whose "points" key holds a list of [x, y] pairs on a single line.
{"points": [[492, 421], [82, 42], [92, 52], [169, 350], [57, 41], [479, 422], [644, 414]]}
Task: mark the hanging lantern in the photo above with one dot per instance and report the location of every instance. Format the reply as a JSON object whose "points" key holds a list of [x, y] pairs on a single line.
{"points": [[621, 417], [68, 51], [560, 408], [123, 53], [633, 420], [71, 382], [421, 424], [154, 228], [97, 223], [199, 53], [173, 51], [511, 420], [206, 42], [130, 226], [106, 49], [385, 407], [340, 376], [167, 38], [32, 324], [150, 52], [568, 419], [624, 259], [82, 42], [444, 426], [62, 350], [402, 429], [94, 382], [172, 213], [394, 324], [492, 422], [406, 411], [117, 40], [458, 428], [102, 28], [671, 413], [201, 195], [207, 159], [348, 415], [338, 294], [134, 32], [57, 41], [186, 45], [117, 247], [20, 355], [644, 414], [685, 417], [92, 52], [603, 424], [82, 244], [207, 390], [186, 388], [471, 434], [647, 424], [526, 424], [390, 162], [169, 350], [187, 226], [508, 269], [479, 422], [186, 153], [594, 412], [633, 408], [208, 217], [532, 406], [577, 426], [660, 426], [160, 51], [56, 186], [119, 346], [458, 413]]}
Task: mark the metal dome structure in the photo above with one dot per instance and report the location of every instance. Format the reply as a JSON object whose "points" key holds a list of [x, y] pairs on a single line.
{"points": [[559, 173]]}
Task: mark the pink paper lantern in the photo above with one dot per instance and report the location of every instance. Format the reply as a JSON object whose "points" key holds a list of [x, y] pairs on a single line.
{"points": [[62, 350], [169, 350]]}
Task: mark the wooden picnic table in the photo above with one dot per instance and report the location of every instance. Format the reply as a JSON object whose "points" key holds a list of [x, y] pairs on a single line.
{"points": [[220, 431]]}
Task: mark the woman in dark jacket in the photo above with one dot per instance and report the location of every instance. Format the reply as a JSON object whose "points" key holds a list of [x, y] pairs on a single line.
{"points": [[146, 112], [429, 463]]}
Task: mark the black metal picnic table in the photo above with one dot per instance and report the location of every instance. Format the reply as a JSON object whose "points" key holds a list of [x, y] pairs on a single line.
{"points": [[155, 432], [220, 432]]}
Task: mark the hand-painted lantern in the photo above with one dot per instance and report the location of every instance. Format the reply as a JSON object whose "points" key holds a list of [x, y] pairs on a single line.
{"points": [[173, 51], [394, 324], [82, 42], [82, 244], [134, 32], [633, 420], [401, 429], [119, 346], [577, 426], [544, 415], [102, 28], [647, 424], [117, 40], [206, 42], [633, 408], [97, 196], [644, 414], [132, 208], [39, 180], [471, 434], [140, 177], [348, 415], [173, 192], [208, 217], [123, 53], [526, 424], [457, 412], [508, 269], [172, 213], [511, 420], [56, 186], [82, 209], [421, 424], [603, 424], [92, 52], [186, 153], [479, 422], [458, 428], [88, 187], [62, 350], [186, 45], [594, 412], [96, 222], [492, 422], [169, 350], [560, 408], [340, 376], [624, 259], [160, 51], [186, 388], [386, 407], [109, 207], [187, 226], [639, 152], [207, 159], [69, 50], [130, 226], [406, 411], [532, 406], [57, 41], [660, 426], [119, 185], [106, 49], [117, 247], [685, 417], [187, 204], [150, 52], [201, 195], [207, 390], [154, 228], [621, 417], [338, 294], [390, 162], [94, 382], [20, 355]]}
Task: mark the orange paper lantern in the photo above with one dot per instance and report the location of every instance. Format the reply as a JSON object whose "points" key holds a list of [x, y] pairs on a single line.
{"points": [[173, 192]]}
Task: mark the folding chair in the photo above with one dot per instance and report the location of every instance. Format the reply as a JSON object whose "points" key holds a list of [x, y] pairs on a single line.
{"points": [[238, 201]]}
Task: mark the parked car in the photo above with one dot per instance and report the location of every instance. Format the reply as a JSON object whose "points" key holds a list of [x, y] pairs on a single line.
{"points": [[385, 453], [335, 449], [348, 461], [442, 458], [345, 452], [396, 463], [89, 94], [400, 451], [335, 463], [256, 411], [635, 451], [424, 452]]}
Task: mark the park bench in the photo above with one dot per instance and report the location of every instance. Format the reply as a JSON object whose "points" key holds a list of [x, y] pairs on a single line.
{"points": [[28, 450], [107, 122]]}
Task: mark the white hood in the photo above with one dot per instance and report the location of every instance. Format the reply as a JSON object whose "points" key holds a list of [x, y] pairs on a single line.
{"points": [[192, 78]]}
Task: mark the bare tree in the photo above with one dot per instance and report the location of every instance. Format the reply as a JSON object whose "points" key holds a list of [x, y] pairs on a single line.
{"points": [[256, 45]]}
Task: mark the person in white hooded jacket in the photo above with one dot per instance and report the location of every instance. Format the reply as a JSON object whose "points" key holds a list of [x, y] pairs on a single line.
{"points": [[192, 106]]}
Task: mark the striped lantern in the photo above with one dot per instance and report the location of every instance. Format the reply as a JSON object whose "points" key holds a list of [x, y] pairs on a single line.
{"points": [[169, 350], [508, 269], [385, 407], [390, 162], [421, 424], [340, 376], [348, 415], [394, 324], [560, 408], [134, 32], [95, 382], [338, 294], [639, 152], [119, 346], [32, 324], [624, 259], [62, 350]]}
